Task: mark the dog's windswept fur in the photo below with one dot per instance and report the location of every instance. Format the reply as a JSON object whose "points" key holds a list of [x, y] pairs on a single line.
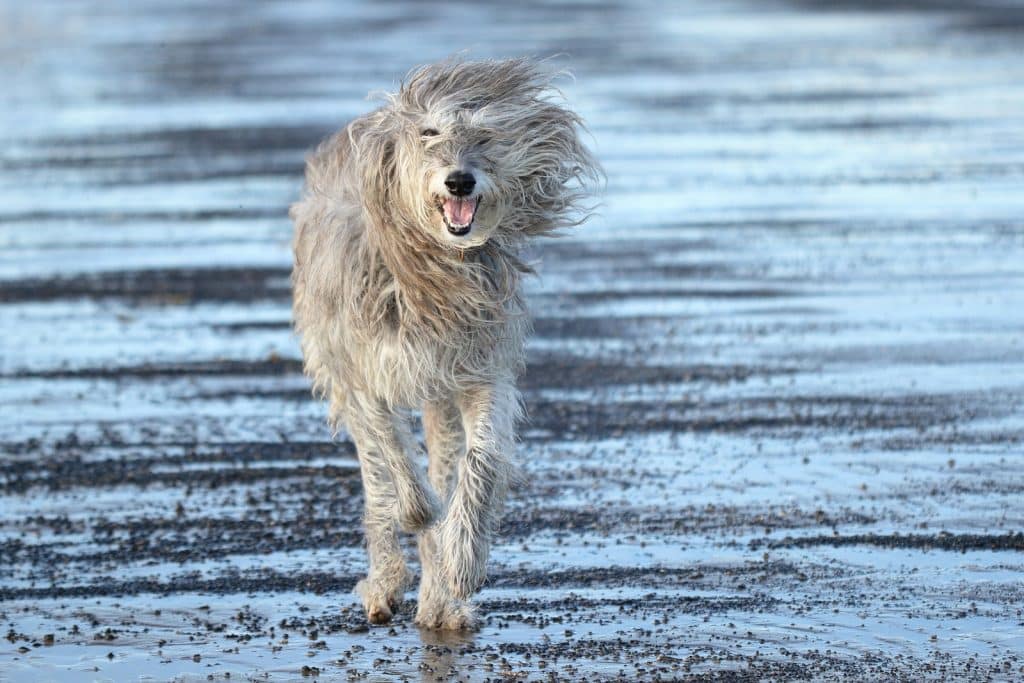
{"points": [[407, 295]]}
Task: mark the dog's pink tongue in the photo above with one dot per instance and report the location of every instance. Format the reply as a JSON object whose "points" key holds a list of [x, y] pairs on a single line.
{"points": [[460, 211]]}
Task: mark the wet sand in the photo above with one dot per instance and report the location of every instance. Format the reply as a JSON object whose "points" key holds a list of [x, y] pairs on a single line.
{"points": [[775, 390]]}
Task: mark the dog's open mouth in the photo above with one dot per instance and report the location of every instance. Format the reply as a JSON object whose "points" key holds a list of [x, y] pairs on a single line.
{"points": [[458, 213]]}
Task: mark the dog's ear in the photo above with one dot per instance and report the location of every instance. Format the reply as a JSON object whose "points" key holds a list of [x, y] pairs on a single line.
{"points": [[558, 173], [373, 143]]}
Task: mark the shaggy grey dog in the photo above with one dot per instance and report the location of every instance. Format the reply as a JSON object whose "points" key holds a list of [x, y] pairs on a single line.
{"points": [[407, 295]]}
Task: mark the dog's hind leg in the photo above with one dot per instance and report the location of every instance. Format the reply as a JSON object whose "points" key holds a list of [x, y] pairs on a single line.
{"points": [[446, 442], [395, 491], [475, 506]]}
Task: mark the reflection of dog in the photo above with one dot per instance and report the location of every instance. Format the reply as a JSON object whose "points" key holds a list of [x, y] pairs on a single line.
{"points": [[406, 284]]}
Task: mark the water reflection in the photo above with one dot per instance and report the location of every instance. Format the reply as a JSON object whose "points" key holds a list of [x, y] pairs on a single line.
{"points": [[445, 654]]}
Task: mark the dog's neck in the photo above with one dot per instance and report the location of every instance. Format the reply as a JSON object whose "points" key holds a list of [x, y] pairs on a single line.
{"points": [[441, 290]]}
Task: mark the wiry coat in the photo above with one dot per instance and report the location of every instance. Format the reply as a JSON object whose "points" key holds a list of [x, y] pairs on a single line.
{"points": [[401, 305]]}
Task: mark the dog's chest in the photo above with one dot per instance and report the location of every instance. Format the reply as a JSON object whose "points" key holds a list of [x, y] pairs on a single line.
{"points": [[409, 369]]}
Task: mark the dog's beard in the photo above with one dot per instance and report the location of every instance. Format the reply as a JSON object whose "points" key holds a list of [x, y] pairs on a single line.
{"points": [[458, 213]]}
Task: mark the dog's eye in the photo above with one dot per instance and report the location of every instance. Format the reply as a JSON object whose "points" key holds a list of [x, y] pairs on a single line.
{"points": [[485, 141], [429, 132]]}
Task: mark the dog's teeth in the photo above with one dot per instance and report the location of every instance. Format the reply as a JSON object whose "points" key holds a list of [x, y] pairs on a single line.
{"points": [[459, 212]]}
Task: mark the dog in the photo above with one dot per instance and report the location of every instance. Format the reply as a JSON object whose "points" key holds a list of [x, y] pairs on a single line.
{"points": [[406, 284]]}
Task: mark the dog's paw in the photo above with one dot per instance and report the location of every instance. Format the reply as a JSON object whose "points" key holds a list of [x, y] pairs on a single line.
{"points": [[418, 510], [462, 557], [378, 612], [446, 614], [380, 600]]}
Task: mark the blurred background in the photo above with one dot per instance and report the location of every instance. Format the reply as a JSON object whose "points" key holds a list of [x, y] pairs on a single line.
{"points": [[775, 389]]}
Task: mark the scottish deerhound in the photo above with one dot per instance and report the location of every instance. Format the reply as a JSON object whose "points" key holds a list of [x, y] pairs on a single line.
{"points": [[407, 295]]}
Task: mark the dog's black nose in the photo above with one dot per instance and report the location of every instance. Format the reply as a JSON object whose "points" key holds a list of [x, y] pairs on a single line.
{"points": [[460, 183]]}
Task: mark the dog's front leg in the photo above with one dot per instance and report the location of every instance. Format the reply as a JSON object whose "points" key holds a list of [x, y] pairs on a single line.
{"points": [[464, 536], [377, 428], [395, 489], [384, 586]]}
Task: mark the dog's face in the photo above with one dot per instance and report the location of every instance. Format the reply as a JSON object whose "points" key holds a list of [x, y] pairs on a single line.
{"points": [[467, 151], [459, 157]]}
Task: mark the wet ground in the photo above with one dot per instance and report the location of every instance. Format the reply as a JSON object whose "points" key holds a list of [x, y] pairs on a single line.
{"points": [[775, 391]]}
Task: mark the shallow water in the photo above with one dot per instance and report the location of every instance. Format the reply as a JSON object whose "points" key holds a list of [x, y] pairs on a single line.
{"points": [[775, 392]]}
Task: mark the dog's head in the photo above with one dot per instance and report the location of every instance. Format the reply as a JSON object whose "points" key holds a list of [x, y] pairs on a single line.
{"points": [[467, 151]]}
